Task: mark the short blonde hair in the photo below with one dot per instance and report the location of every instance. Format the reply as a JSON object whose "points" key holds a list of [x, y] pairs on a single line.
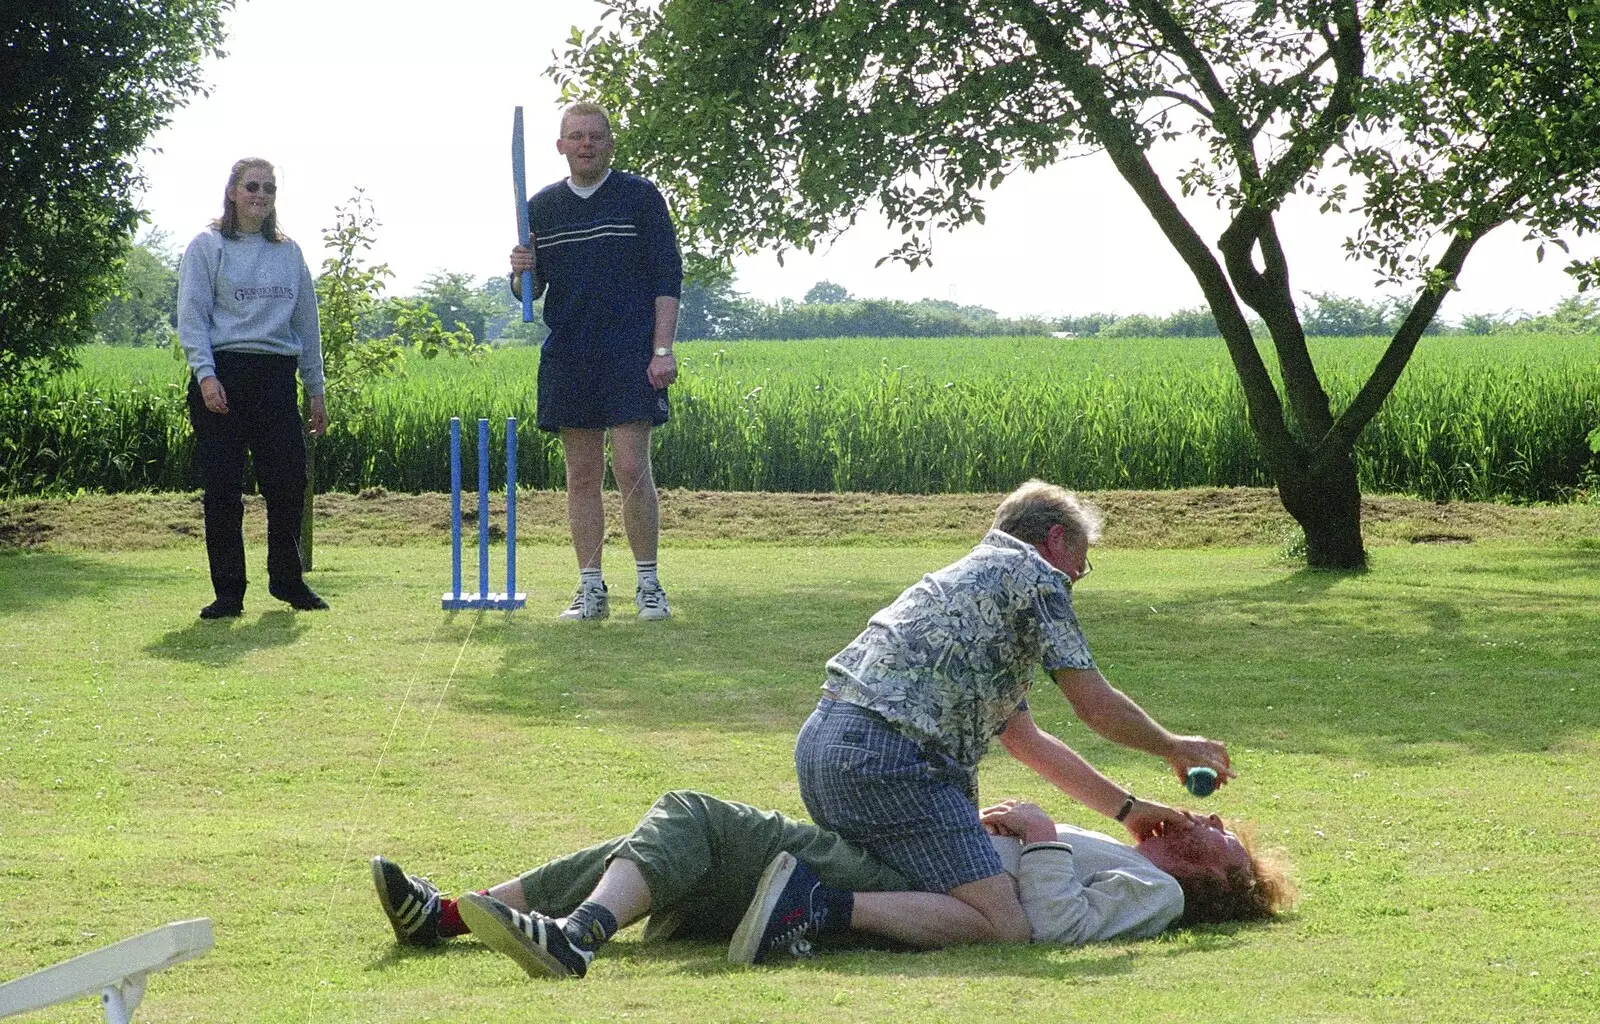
{"points": [[1028, 512], [585, 110]]}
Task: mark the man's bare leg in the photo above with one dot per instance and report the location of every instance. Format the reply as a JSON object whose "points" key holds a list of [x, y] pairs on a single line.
{"points": [[983, 911], [547, 947], [621, 890], [641, 509], [585, 451]]}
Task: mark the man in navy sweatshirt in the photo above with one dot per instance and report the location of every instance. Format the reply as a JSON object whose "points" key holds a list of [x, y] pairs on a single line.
{"points": [[604, 257]]}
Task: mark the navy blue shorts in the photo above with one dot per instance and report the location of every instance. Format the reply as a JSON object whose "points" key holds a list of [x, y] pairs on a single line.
{"points": [[597, 393], [883, 791]]}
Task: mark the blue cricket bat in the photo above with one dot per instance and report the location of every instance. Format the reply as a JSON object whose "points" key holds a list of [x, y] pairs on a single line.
{"points": [[519, 178]]}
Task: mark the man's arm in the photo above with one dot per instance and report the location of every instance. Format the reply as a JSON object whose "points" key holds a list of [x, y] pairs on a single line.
{"points": [[1112, 714], [663, 368], [1062, 767]]}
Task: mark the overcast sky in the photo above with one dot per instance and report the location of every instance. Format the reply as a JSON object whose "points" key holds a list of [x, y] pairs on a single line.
{"points": [[413, 102]]}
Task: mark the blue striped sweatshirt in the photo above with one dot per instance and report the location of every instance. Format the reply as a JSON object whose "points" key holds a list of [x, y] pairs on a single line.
{"points": [[601, 262]]}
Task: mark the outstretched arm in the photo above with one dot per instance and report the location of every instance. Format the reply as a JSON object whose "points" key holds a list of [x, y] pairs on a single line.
{"points": [[1064, 768], [1114, 715]]}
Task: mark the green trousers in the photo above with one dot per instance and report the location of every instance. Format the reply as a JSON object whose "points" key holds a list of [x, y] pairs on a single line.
{"points": [[702, 858]]}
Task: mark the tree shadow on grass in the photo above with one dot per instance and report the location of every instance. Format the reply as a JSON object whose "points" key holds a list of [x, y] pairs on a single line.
{"points": [[224, 641], [731, 662], [1489, 654], [32, 580]]}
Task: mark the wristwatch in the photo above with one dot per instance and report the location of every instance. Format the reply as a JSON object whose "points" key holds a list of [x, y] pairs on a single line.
{"points": [[662, 350]]}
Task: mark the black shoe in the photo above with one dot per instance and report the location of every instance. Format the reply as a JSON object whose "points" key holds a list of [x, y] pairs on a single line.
{"points": [[222, 608], [411, 904], [534, 941], [783, 916], [301, 598]]}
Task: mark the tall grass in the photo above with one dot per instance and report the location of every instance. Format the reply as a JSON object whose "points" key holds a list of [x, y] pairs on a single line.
{"points": [[1485, 419]]}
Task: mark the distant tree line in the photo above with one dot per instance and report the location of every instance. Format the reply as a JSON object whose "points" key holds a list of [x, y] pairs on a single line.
{"points": [[142, 311]]}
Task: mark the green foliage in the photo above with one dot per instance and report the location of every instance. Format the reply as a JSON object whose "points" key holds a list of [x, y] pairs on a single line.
{"points": [[84, 86], [141, 310], [457, 300], [711, 308], [1572, 316], [1484, 419], [348, 293], [417, 327], [827, 293], [1345, 317]]}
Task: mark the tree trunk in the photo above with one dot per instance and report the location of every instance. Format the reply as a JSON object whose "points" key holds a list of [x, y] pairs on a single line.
{"points": [[305, 512], [1328, 509]]}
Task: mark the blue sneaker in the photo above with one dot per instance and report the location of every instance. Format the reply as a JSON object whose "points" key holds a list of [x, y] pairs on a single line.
{"points": [[534, 941], [784, 914]]}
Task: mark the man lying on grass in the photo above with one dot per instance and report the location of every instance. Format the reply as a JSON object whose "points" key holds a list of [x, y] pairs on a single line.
{"points": [[706, 868]]}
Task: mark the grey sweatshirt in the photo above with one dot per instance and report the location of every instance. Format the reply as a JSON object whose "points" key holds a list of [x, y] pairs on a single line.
{"points": [[248, 295], [1087, 887]]}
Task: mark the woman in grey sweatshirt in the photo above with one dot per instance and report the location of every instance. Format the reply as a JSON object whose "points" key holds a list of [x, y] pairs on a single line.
{"points": [[247, 318]]}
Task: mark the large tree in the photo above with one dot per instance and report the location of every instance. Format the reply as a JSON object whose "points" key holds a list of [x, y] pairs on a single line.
{"points": [[82, 86], [775, 122]]}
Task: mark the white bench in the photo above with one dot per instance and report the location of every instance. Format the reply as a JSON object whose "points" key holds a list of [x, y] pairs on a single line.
{"points": [[117, 972]]}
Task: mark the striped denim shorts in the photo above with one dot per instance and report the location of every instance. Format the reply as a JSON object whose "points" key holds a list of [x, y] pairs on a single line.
{"points": [[881, 790]]}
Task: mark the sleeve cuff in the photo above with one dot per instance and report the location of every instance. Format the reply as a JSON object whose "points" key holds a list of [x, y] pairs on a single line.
{"points": [[1033, 847]]}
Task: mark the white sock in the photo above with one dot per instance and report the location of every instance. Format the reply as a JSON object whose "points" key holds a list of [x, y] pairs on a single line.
{"points": [[647, 575], [590, 579]]}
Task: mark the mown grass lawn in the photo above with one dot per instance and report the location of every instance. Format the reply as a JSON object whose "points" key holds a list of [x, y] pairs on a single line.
{"points": [[1422, 739]]}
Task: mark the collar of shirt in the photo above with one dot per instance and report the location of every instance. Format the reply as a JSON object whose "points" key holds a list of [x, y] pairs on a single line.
{"points": [[1002, 539], [585, 191]]}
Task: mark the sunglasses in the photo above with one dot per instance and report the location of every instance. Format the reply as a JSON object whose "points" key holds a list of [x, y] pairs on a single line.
{"points": [[269, 187]]}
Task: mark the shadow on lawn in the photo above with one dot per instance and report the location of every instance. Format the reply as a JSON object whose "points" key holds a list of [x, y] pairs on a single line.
{"points": [[30, 580], [225, 641], [1492, 651], [862, 958], [732, 662]]}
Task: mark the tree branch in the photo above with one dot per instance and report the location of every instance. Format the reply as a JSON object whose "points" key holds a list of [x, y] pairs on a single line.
{"points": [[1341, 437], [1303, 75], [1309, 146], [1189, 101], [1227, 118], [1086, 84]]}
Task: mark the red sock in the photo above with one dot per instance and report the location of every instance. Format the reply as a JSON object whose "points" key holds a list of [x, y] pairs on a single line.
{"points": [[450, 923]]}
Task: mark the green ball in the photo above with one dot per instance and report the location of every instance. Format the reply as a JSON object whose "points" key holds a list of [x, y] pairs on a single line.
{"points": [[1201, 781]]}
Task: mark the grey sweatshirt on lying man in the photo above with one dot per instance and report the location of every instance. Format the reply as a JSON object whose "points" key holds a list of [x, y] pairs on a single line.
{"points": [[247, 294], [1088, 887]]}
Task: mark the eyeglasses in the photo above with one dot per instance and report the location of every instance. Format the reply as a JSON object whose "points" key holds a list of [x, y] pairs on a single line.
{"points": [[1088, 567], [269, 187]]}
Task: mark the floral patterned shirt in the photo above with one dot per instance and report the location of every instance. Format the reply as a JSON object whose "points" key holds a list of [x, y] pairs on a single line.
{"points": [[952, 658]]}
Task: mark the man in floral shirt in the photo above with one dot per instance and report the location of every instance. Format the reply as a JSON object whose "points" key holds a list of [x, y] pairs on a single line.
{"points": [[889, 758]]}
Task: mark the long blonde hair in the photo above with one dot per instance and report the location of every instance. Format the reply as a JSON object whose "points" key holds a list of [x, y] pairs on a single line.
{"points": [[228, 223]]}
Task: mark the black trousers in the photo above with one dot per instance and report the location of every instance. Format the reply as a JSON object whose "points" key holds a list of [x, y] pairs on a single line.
{"points": [[263, 420]]}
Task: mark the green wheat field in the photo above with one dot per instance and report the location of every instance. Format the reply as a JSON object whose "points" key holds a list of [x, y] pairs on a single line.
{"points": [[1497, 418]]}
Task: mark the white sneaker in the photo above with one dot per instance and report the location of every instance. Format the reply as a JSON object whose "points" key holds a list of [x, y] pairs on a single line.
{"points": [[652, 602], [588, 603]]}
